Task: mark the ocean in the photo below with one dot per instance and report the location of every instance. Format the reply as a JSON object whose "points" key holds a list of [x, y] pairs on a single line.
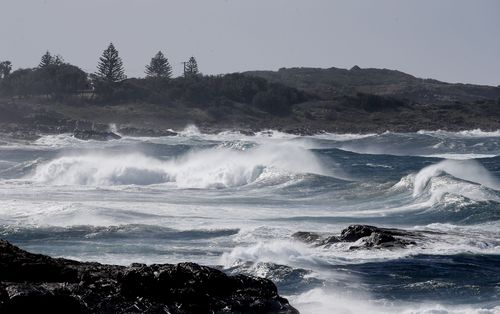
{"points": [[233, 201]]}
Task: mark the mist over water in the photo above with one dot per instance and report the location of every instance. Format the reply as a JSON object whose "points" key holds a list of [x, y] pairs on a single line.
{"points": [[234, 201]]}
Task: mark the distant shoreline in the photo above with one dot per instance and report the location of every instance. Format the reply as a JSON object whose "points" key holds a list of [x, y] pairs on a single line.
{"points": [[298, 100], [23, 132]]}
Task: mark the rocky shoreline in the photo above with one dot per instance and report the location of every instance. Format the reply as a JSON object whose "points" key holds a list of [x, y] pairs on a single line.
{"points": [[34, 283], [102, 132], [38, 283]]}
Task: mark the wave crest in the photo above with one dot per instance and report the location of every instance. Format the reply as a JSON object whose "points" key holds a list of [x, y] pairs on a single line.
{"points": [[468, 170], [209, 168]]}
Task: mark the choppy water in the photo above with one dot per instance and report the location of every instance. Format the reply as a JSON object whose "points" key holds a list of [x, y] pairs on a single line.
{"points": [[234, 200]]}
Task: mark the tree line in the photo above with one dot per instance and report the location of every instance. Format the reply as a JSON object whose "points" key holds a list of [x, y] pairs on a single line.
{"points": [[56, 79]]}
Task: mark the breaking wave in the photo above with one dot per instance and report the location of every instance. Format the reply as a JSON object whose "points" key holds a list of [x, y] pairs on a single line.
{"points": [[462, 178], [467, 170], [208, 168]]}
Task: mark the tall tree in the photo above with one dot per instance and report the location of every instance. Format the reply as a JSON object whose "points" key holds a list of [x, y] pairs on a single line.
{"points": [[110, 67], [191, 68], [5, 68], [159, 67], [47, 59]]}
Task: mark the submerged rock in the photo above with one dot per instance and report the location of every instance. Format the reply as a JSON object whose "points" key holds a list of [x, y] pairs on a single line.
{"points": [[33, 283], [95, 135], [362, 236]]}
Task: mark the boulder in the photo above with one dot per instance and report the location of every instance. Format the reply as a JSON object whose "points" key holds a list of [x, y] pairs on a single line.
{"points": [[34, 283], [95, 135]]}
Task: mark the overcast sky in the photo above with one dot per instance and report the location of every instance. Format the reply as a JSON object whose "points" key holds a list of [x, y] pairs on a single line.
{"points": [[450, 40]]}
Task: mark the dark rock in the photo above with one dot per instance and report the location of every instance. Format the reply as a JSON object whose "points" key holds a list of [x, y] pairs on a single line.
{"points": [[95, 135], [247, 132], [330, 240], [364, 236], [131, 131], [356, 232], [307, 237], [30, 298], [382, 240], [377, 239], [377, 235], [315, 238], [33, 283]]}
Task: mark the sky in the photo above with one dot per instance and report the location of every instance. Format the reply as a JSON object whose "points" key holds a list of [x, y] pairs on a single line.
{"points": [[449, 40]]}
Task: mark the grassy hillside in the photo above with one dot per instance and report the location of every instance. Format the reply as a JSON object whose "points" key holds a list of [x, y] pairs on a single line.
{"points": [[334, 82]]}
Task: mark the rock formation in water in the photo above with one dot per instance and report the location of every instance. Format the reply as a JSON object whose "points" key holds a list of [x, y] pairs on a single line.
{"points": [[362, 236], [95, 135], [34, 283]]}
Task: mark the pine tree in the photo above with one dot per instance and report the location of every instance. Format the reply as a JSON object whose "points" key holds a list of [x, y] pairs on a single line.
{"points": [[47, 59], [191, 69], [159, 67], [58, 60], [110, 67]]}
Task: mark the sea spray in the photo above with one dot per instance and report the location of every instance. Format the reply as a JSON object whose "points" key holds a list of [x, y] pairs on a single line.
{"points": [[468, 170], [205, 168], [235, 199]]}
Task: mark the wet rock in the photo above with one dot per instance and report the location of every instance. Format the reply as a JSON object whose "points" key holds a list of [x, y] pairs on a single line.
{"points": [[356, 232], [381, 240], [29, 298], [330, 240], [95, 135], [34, 283], [307, 237], [131, 131], [362, 236]]}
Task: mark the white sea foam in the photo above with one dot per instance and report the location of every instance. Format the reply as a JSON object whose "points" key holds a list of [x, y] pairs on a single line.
{"points": [[468, 170], [323, 301], [353, 300], [457, 182], [278, 251], [206, 168], [57, 140], [190, 130], [465, 133], [341, 137], [105, 189], [278, 248], [460, 156]]}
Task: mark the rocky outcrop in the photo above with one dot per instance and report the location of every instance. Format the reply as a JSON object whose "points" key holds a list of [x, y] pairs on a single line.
{"points": [[95, 135], [131, 131], [362, 236], [33, 283]]}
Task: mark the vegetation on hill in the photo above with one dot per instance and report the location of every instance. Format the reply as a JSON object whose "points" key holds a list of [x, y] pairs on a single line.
{"points": [[56, 95], [333, 82], [56, 80]]}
